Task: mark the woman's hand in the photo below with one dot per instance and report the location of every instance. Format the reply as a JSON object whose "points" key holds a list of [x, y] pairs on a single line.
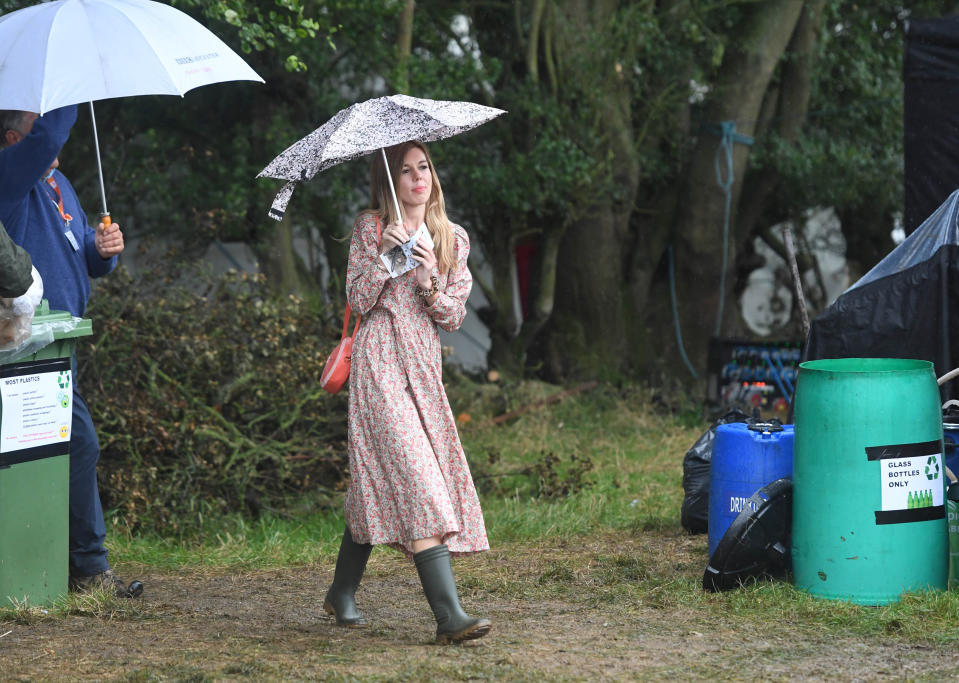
{"points": [[427, 260], [394, 235]]}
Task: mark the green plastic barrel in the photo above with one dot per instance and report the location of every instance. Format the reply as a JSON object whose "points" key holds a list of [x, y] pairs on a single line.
{"points": [[868, 486]]}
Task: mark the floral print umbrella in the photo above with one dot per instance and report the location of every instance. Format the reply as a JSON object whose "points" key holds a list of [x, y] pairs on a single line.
{"points": [[365, 127]]}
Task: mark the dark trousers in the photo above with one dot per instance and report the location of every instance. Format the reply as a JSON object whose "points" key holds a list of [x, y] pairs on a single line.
{"points": [[88, 556]]}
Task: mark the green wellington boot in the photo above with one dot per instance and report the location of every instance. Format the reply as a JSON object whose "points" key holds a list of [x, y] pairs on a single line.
{"points": [[350, 565], [436, 574]]}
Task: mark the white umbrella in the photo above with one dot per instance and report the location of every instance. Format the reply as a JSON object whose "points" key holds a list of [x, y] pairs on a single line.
{"points": [[71, 51], [365, 127]]}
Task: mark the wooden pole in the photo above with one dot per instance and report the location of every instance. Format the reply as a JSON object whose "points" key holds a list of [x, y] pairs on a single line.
{"points": [[797, 280]]}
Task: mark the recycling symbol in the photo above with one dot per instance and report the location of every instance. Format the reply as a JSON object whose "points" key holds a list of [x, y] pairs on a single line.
{"points": [[932, 468]]}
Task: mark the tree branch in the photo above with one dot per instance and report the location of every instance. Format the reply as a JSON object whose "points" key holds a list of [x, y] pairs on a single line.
{"points": [[532, 47], [404, 47], [542, 308]]}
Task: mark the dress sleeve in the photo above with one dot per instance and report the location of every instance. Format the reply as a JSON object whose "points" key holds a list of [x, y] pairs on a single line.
{"points": [[449, 309], [364, 277]]}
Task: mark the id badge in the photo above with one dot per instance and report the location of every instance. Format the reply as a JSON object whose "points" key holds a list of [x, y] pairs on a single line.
{"points": [[72, 240]]}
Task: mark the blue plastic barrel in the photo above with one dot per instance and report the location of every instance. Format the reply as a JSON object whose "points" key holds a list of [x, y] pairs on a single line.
{"points": [[745, 459]]}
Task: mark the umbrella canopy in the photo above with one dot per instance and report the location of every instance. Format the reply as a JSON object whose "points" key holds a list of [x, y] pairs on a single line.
{"points": [[71, 51], [365, 127]]}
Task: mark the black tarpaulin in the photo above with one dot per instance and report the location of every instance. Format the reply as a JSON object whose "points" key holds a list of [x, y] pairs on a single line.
{"points": [[907, 306], [931, 116]]}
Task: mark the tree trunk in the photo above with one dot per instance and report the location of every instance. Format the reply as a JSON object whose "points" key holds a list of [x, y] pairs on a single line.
{"points": [[587, 334], [746, 72], [505, 354], [282, 264], [792, 106]]}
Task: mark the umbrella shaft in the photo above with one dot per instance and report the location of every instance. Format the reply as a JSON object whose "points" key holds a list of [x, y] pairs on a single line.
{"points": [[96, 146], [389, 178]]}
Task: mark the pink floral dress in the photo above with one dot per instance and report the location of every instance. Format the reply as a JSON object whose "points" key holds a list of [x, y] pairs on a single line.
{"points": [[408, 474]]}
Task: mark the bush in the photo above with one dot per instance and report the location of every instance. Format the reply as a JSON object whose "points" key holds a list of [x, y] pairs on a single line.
{"points": [[206, 398]]}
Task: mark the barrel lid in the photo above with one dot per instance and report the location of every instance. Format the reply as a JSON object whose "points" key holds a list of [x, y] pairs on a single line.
{"points": [[757, 542], [743, 429], [765, 427]]}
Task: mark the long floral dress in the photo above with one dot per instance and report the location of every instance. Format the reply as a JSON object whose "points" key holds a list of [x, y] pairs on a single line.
{"points": [[409, 478]]}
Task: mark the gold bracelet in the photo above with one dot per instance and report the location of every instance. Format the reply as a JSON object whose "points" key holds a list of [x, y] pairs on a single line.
{"points": [[427, 293]]}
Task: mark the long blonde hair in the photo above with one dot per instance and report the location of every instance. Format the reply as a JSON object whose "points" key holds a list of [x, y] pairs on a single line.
{"points": [[381, 201]]}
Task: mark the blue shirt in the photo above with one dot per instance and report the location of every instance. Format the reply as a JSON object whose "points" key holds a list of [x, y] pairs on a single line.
{"points": [[63, 253]]}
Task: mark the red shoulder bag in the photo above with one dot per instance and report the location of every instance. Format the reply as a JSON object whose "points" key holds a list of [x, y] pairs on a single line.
{"points": [[337, 369]]}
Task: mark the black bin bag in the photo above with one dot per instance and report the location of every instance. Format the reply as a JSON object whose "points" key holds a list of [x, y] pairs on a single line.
{"points": [[695, 511]]}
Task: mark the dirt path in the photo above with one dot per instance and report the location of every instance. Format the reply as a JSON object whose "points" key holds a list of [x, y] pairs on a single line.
{"points": [[559, 614]]}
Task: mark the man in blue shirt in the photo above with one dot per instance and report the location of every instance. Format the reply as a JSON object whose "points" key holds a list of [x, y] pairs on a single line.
{"points": [[41, 213]]}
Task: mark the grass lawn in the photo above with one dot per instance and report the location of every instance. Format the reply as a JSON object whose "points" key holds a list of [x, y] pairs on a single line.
{"points": [[590, 577]]}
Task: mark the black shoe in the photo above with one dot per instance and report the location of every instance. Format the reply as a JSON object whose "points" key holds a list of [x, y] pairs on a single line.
{"points": [[106, 581], [453, 625]]}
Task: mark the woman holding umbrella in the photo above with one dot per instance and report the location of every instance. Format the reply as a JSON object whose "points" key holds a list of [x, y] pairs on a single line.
{"points": [[410, 485]]}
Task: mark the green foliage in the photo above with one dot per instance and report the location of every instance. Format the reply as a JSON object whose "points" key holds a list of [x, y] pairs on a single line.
{"points": [[546, 179], [186, 168], [261, 25], [850, 151], [206, 396]]}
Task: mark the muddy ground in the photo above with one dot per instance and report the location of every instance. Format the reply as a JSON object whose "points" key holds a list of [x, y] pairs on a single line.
{"points": [[567, 613]]}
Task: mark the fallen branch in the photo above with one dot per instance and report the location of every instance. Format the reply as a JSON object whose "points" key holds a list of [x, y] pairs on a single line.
{"points": [[797, 278], [555, 398]]}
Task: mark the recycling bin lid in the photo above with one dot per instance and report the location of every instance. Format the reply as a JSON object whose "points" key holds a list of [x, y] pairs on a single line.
{"points": [[63, 323]]}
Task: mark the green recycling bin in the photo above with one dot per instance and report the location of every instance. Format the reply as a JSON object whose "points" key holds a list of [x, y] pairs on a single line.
{"points": [[36, 415], [868, 521]]}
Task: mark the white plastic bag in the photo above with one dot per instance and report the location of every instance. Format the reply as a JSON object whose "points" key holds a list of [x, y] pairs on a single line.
{"points": [[16, 315]]}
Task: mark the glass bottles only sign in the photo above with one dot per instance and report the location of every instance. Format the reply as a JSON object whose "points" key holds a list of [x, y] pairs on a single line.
{"points": [[911, 479]]}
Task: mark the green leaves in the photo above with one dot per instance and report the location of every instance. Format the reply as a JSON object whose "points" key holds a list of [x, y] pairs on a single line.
{"points": [[216, 403], [264, 25]]}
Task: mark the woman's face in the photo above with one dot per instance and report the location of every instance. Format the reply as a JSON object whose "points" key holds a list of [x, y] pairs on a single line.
{"points": [[416, 181]]}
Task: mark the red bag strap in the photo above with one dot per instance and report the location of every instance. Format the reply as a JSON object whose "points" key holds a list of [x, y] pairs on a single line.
{"points": [[346, 317]]}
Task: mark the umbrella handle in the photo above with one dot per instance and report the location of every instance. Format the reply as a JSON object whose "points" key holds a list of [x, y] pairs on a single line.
{"points": [[389, 179]]}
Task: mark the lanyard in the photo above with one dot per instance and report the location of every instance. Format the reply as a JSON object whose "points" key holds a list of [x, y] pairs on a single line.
{"points": [[51, 181]]}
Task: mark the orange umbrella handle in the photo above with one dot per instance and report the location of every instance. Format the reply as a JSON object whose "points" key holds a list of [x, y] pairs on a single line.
{"points": [[105, 219]]}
